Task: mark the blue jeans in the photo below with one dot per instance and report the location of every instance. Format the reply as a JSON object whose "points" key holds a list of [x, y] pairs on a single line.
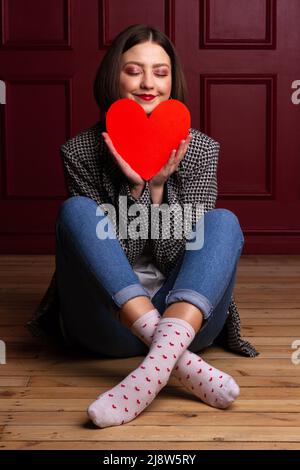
{"points": [[95, 279]]}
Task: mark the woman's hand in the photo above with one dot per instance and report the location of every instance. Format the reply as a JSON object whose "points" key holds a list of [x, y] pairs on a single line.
{"points": [[176, 156], [135, 180], [158, 180]]}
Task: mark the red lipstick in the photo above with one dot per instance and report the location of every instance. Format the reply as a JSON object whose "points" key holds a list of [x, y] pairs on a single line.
{"points": [[147, 97]]}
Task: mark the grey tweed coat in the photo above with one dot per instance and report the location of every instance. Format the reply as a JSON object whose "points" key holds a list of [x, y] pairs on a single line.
{"points": [[91, 171]]}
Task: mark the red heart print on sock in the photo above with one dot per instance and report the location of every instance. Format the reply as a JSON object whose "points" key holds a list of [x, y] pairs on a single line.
{"points": [[129, 128]]}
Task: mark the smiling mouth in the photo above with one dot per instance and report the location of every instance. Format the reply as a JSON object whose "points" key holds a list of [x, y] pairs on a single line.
{"points": [[146, 97]]}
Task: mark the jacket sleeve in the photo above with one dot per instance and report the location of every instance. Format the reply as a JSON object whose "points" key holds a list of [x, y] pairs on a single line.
{"points": [[196, 194], [78, 177]]}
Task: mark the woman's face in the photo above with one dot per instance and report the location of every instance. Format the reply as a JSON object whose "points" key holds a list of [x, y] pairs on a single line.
{"points": [[146, 70]]}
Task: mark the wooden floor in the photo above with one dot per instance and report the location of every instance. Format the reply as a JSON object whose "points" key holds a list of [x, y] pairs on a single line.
{"points": [[44, 391]]}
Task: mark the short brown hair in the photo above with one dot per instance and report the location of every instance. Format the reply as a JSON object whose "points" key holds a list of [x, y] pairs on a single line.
{"points": [[106, 83]]}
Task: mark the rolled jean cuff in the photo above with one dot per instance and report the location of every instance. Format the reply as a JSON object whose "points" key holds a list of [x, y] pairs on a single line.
{"points": [[192, 297], [128, 293]]}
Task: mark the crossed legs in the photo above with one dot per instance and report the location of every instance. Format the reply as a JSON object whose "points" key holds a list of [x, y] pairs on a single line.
{"points": [[200, 285]]}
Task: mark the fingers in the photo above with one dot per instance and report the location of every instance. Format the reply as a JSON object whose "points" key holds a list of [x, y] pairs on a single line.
{"points": [[109, 143], [112, 149], [182, 148], [124, 166], [172, 157]]}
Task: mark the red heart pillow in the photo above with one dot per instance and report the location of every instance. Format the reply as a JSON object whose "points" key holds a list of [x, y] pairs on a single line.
{"points": [[146, 143]]}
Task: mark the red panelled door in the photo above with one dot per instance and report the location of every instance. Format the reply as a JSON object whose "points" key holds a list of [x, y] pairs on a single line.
{"points": [[241, 60]]}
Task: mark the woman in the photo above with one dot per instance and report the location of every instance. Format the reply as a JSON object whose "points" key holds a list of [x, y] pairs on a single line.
{"points": [[144, 296]]}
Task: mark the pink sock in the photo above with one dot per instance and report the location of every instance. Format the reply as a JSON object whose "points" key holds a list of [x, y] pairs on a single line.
{"points": [[130, 397], [211, 385]]}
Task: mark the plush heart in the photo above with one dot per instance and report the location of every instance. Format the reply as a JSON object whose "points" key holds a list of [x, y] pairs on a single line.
{"points": [[146, 143]]}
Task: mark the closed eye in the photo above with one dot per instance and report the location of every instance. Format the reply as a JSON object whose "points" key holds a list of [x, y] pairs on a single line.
{"points": [[157, 74]]}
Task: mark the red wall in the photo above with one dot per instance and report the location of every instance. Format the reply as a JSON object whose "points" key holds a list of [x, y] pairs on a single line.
{"points": [[240, 59]]}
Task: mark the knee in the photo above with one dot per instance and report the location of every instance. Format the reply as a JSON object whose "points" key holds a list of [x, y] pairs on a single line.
{"points": [[72, 206], [227, 219]]}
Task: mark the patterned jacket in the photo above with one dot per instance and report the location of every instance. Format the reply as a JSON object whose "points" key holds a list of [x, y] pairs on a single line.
{"points": [[90, 170]]}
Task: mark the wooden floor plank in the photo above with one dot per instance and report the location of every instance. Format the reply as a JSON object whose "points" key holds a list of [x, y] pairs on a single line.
{"points": [[149, 445], [196, 433], [151, 418], [161, 403], [14, 381], [110, 381]]}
